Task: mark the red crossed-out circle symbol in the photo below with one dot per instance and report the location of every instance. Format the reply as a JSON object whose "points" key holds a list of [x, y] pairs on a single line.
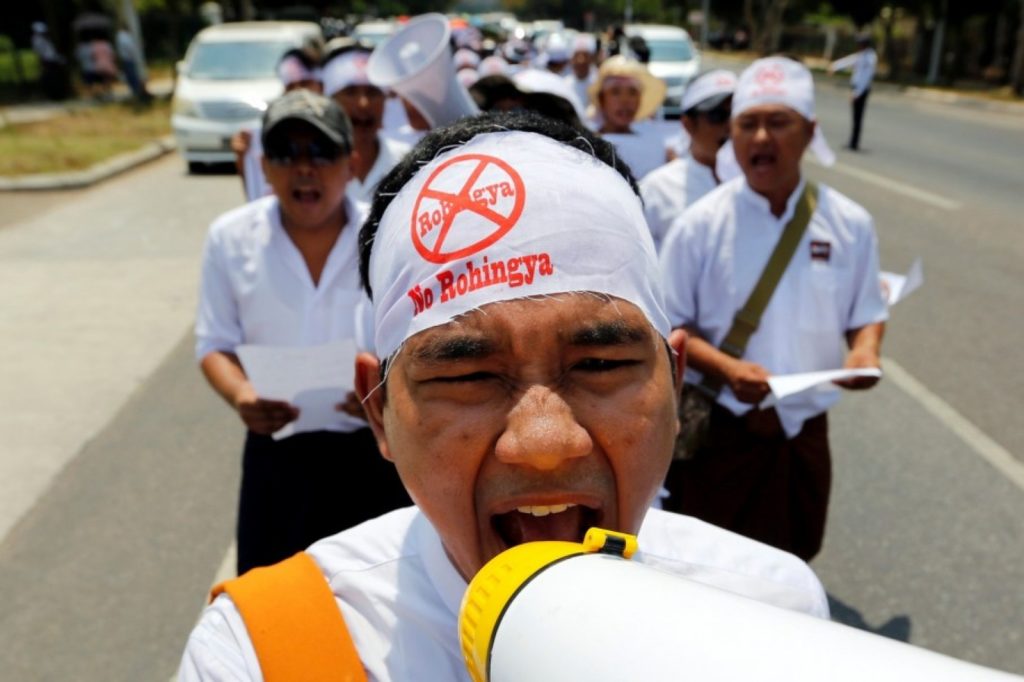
{"points": [[497, 198], [770, 74]]}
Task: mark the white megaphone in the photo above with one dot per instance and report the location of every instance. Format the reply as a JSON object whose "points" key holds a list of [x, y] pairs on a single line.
{"points": [[416, 62], [568, 612]]}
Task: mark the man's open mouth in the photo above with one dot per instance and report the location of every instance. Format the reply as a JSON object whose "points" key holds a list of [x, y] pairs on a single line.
{"points": [[532, 523], [306, 195], [758, 160], [363, 122]]}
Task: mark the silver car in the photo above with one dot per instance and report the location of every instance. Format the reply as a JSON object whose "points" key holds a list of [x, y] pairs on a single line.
{"points": [[225, 81], [672, 58]]}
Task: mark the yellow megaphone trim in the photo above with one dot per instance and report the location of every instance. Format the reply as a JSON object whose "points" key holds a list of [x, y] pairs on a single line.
{"points": [[497, 583]]}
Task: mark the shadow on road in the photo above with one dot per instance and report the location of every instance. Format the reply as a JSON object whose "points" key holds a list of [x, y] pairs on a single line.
{"points": [[897, 627]]}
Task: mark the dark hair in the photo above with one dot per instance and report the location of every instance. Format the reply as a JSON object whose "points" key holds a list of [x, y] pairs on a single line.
{"points": [[459, 133], [307, 60], [340, 46]]}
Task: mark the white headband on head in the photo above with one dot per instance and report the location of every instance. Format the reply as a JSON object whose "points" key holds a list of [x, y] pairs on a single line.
{"points": [[506, 216], [348, 68], [292, 70], [584, 42], [708, 85], [778, 80]]}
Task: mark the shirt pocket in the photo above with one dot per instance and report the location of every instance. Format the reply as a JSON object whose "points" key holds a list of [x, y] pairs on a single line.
{"points": [[819, 313]]}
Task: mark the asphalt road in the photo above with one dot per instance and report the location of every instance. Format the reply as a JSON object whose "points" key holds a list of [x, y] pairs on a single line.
{"points": [[119, 468]]}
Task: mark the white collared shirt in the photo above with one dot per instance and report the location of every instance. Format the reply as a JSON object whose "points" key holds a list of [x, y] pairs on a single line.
{"points": [[581, 87], [389, 154], [400, 595], [256, 287], [714, 254], [668, 190], [643, 150], [863, 63]]}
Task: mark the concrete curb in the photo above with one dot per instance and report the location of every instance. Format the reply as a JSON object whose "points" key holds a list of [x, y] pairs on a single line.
{"points": [[90, 176]]}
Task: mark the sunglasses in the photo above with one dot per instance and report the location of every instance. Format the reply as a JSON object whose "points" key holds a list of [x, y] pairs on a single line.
{"points": [[718, 114], [288, 152]]}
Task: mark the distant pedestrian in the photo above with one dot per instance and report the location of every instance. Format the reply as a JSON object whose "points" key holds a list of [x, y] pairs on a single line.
{"points": [[87, 68], [863, 63], [51, 63], [130, 58], [583, 73], [668, 190]]}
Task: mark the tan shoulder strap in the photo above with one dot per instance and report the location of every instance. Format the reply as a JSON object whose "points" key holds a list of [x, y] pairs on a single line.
{"points": [[294, 623], [747, 318]]}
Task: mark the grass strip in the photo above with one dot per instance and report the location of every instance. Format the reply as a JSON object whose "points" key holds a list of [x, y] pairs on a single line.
{"points": [[77, 140]]}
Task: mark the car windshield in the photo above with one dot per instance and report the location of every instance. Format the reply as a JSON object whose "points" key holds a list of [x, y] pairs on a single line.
{"points": [[241, 60], [670, 50]]}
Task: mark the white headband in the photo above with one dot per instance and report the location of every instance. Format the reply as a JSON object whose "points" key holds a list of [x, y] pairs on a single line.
{"points": [[584, 42], [775, 80], [348, 68], [292, 70], [708, 85], [779, 80], [506, 216]]}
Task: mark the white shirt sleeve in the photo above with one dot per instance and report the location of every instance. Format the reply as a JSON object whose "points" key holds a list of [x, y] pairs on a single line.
{"points": [[218, 326], [846, 62], [868, 304], [680, 271], [219, 649], [217, 323]]}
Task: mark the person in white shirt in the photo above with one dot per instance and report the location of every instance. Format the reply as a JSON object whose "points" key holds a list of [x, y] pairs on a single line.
{"points": [[53, 78], [373, 154], [862, 64], [766, 472], [524, 388], [283, 271], [583, 72], [668, 190], [626, 92]]}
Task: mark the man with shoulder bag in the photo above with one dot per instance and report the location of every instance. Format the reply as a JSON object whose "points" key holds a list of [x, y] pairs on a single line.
{"points": [[769, 274]]}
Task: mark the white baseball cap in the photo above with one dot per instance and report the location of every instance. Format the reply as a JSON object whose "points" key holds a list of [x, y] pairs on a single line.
{"points": [[708, 90]]}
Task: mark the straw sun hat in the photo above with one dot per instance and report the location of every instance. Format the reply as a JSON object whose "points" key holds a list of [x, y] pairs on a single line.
{"points": [[652, 89]]}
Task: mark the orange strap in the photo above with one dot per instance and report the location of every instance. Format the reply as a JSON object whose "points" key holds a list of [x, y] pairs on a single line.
{"points": [[294, 623]]}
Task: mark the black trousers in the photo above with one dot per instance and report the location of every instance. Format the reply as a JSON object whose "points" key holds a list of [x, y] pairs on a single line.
{"points": [[859, 104], [311, 485], [750, 479]]}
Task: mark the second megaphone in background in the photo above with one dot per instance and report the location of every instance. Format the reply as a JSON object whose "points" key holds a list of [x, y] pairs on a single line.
{"points": [[416, 62]]}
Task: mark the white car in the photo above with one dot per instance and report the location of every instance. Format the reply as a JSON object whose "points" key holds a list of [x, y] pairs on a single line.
{"points": [[373, 32], [225, 82], [673, 59]]}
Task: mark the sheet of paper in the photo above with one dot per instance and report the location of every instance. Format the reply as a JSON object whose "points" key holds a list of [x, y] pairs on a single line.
{"points": [[312, 378], [899, 287], [786, 385]]}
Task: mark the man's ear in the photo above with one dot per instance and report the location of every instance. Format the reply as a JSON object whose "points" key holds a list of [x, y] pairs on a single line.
{"points": [[677, 342], [370, 390]]}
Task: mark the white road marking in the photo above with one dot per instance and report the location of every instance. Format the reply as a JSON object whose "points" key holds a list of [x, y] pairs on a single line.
{"points": [[986, 448], [894, 186]]}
